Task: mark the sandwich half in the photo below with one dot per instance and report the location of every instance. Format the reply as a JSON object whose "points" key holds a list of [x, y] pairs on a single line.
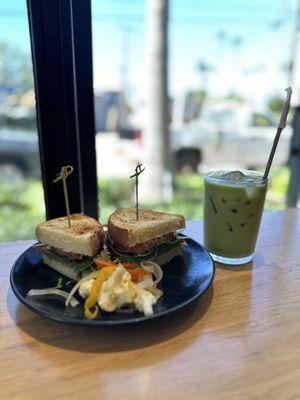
{"points": [[70, 250], [152, 237]]}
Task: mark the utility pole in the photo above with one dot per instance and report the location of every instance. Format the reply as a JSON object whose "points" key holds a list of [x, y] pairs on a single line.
{"points": [[294, 80], [124, 70], [156, 185]]}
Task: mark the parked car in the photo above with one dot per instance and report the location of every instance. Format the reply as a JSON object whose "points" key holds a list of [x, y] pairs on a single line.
{"points": [[228, 134], [19, 153], [129, 132]]}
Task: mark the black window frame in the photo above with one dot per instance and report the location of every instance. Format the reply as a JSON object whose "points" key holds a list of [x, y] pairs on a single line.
{"points": [[61, 44]]}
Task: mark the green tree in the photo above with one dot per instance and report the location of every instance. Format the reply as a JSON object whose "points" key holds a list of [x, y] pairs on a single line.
{"points": [[275, 104], [15, 69], [233, 95]]}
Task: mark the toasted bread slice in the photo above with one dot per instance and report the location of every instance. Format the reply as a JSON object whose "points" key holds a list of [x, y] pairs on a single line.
{"points": [[166, 257], [63, 267], [85, 236], [124, 229]]}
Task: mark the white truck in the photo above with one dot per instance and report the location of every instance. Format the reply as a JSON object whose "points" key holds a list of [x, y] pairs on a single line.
{"points": [[228, 134]]}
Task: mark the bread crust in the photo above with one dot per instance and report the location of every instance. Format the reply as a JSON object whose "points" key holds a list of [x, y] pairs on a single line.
{"points": [[166, 257], [85, 236], [124, 229], [60, 266]]}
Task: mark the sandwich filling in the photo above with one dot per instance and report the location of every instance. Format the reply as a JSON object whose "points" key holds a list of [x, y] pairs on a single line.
{"points": [[142, 247], [79, 262], [69, 254], [147, 249]]}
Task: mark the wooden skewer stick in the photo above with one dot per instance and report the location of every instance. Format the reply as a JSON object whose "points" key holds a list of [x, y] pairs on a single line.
{"points": [[138, 171], [64, 173], [281, 126]]}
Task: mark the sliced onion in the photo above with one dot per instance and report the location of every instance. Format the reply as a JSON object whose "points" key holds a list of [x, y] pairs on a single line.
{"points": [[151, 266], [92, 275], [157, 293], [58, 292], [145, 283]]}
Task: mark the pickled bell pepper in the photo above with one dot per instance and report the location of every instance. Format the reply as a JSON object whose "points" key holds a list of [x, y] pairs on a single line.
{"points": [[102, 264], [104, 274], [91, 315], [137, 274]]}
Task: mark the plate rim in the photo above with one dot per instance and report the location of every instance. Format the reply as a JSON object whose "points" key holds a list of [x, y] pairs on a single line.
{"points": [[99, 323]]}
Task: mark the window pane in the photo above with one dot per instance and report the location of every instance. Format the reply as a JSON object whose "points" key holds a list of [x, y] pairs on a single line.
{"points": [[228, 66], [21, 194]]}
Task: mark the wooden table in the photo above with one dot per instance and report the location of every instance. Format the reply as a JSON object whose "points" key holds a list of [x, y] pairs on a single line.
{"points": [[240, 341]]}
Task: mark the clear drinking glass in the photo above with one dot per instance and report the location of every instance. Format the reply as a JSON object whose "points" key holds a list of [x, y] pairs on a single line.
{"points": [[233, 206]]}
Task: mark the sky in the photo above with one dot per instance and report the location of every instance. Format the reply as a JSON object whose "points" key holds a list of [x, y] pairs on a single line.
{"points": [[199, 30]]}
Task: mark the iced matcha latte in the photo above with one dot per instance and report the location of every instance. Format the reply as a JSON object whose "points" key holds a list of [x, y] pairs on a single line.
{"points": [[233, 205]]}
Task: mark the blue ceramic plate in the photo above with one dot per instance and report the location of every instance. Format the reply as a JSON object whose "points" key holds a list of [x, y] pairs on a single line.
{"points": [[185, 278]]}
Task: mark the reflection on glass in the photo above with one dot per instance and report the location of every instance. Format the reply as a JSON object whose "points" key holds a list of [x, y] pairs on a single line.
{"points": [[225, 95], [21, 195]]}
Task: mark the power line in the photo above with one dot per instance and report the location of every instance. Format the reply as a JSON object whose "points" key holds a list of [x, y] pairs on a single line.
{"points": [[204, 20], [141, 17], [256, 20], [230, 3]]}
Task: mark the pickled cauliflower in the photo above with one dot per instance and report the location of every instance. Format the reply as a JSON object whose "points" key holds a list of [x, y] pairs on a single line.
{"points": [[118, 291], [85, 288]]}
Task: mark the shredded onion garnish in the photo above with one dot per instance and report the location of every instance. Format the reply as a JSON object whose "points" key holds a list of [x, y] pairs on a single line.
{"points": [[151, 266], [157, 293], [92, 275], [145, 283], [58, 292]]}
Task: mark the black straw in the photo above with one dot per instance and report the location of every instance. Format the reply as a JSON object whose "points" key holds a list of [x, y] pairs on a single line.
{"points": [[281, 126]]}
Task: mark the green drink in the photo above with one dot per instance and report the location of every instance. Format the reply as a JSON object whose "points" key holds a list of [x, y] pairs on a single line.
{"points": [[233, 206]]}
